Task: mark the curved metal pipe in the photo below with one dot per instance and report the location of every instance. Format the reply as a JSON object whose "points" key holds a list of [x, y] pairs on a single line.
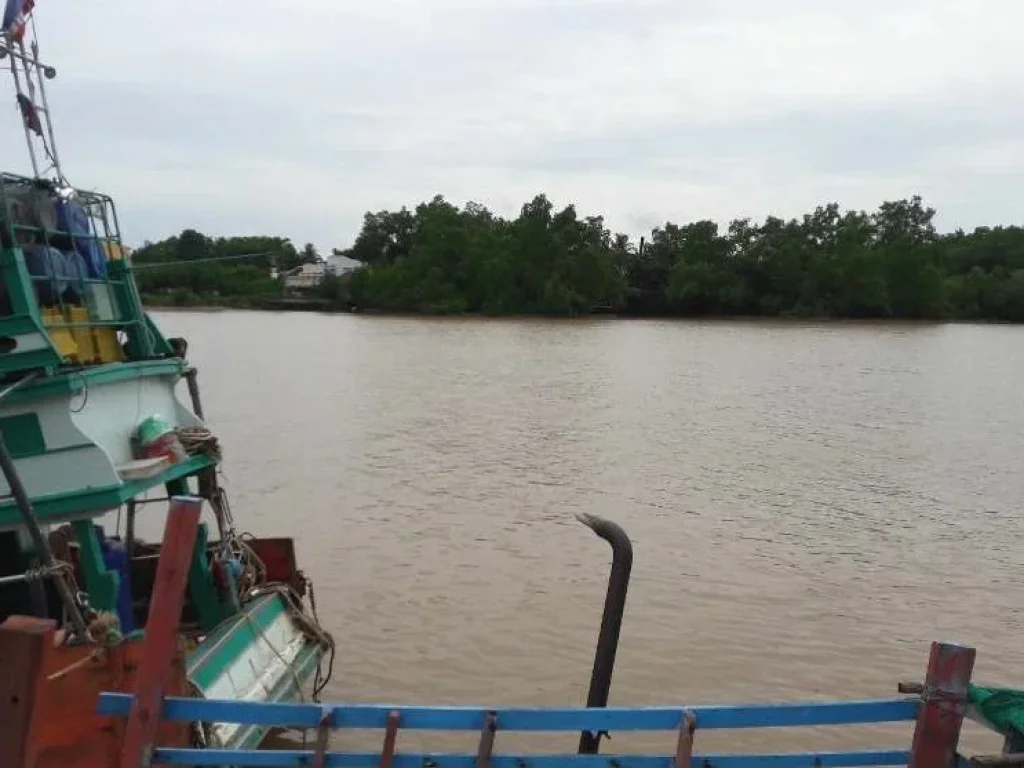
{"points": [[611, 620]]}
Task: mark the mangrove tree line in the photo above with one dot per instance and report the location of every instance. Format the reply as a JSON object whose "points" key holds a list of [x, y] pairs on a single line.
{"points": [[439, 258]]}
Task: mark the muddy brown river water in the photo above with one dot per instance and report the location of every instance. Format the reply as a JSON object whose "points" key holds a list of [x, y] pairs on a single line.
{"points": [[810, 503]]}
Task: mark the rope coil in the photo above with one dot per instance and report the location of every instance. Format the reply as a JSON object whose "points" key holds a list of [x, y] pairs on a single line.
{"points": [[196, 440]]}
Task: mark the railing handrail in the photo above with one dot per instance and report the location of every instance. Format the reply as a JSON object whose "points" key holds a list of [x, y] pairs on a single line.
{"points": [[280, 758], [521, 719], [550, 719]]}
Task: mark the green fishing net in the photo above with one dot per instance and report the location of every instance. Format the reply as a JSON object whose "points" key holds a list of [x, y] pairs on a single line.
{"points": [[1003, 707]]}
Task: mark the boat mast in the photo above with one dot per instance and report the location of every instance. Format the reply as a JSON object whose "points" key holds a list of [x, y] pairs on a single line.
{"points": [[30, 76]]}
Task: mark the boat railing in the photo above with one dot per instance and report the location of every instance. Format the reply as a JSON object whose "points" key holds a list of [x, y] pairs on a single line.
{"points": [[938, 713], [136, 718], [687, 722], [66, 275]]}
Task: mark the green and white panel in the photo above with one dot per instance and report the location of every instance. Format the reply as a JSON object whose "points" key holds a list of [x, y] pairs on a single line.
{"points": [[52, 454], [262, 654]]}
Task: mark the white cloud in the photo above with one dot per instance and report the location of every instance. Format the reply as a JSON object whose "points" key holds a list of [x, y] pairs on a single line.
{"points": [[297, 117]]}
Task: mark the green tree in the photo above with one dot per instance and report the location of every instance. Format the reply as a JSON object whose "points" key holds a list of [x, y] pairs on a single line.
{"points": [[439, 258]]}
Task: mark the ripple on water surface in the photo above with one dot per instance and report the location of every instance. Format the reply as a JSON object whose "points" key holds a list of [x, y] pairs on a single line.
{"points": [[810, 504]]}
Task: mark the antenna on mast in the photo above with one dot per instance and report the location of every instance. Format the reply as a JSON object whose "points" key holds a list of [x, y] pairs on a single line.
{"points": [[29, 75]]}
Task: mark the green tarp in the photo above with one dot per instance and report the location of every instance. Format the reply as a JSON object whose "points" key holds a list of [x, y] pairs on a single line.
{"points": [[1003, 707]]}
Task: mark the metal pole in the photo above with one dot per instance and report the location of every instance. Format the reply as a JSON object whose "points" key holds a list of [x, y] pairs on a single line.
{"points": [[8, 49], [28, 516], [611, 620], [129, 529], [16, 578], [17, 89], [37, 594], [46, 107]]}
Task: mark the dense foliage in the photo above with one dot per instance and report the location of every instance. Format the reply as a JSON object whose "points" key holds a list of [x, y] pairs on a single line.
{"points": [[191, 268], [442, 259], [439, 258]]}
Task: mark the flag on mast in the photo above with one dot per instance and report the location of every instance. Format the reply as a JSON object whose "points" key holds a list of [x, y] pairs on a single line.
{"points": [[15, 19]]}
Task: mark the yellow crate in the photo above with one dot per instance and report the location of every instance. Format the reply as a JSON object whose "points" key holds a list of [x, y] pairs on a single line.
{"points": [[85, 345], [84, 338], [113, 251], [108, 350], [62, 338]]}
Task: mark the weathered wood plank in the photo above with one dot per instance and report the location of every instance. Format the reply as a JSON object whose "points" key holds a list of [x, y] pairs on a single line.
{"points": [[944, 701], [161, 641], [24, 642], [387, 752]]}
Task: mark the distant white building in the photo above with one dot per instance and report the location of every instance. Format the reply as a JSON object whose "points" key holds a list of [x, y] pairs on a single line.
{"points": [[307, 276], [304, 277], [342, 265]]}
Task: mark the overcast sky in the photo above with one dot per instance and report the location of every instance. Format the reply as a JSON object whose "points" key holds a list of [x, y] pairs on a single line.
{"points": [[294, 118]]}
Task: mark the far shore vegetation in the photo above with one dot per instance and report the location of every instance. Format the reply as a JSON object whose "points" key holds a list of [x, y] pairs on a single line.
{"points": [[441, 259]]}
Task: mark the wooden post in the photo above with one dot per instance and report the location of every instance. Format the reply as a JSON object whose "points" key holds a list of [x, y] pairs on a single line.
{"points": [[323, 738], [387, 752], [161, 640], [684, 747], [944, 701], [24, 642]]}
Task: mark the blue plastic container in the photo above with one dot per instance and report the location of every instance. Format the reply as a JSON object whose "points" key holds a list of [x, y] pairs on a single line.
{"points": [[116, 559]]}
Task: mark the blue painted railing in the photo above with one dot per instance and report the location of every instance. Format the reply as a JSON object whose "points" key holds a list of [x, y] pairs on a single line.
{"points": [[523, 719]]}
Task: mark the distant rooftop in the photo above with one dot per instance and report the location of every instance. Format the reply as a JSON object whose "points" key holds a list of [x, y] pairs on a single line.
{"points": [[341, 264]]}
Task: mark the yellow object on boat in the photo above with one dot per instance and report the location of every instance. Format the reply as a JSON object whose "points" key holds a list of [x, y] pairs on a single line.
{"points": [[82, 343], [62, 338], [113, 251]]}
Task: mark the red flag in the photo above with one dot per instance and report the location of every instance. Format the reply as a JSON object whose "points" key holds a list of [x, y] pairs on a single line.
{"points": [[21, 21], [30, 114]]}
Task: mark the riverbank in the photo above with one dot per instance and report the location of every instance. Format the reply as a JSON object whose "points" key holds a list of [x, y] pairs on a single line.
{"points": [[304, 307], [162, 302]]}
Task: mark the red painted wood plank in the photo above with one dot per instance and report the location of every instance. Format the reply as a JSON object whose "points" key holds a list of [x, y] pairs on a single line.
{"points": [[387, 752], [486, 748], [684, 747], [323, 739], [161, 641], [944, 700], [24, 642]]}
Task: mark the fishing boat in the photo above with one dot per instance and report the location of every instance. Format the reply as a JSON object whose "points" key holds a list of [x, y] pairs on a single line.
{"points": [[121, 653], [93, 439]]}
